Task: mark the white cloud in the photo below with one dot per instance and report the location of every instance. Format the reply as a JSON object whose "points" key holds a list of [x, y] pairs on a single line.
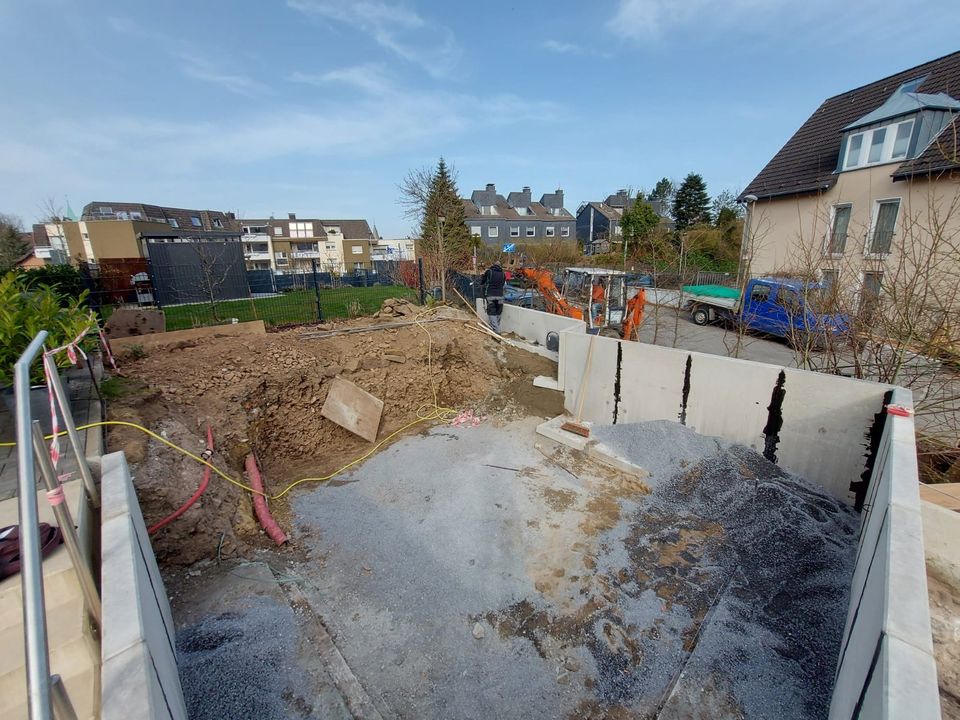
{"points": [[370, 78], [192, 63], [397, 28], [558, 46], [650, 19], [201, 68]]}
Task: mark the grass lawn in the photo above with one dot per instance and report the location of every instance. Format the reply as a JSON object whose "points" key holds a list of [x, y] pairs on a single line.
{"points": [[290, 308]]}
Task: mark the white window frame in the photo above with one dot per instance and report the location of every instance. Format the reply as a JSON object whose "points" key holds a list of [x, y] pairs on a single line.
{"points": [[873, 226], [278, 231], [475, 230], [493, 231], [301, 230], [829, 238], [886, 152], [531, 231], [549, 231], [196, 221], [217, 223], [356, 250], [565, 231], [172, 222], [514, 231]]}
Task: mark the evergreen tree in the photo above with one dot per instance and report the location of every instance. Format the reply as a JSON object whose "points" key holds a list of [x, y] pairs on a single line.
{"points": [[663, 192], [639, 220], [691, 204], [443, 199]]}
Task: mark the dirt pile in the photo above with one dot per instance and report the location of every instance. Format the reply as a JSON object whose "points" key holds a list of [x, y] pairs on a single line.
{"points": [[264, 393]]}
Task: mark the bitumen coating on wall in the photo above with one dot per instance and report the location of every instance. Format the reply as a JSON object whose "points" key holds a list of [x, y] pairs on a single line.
{"points": [[463, 573]]}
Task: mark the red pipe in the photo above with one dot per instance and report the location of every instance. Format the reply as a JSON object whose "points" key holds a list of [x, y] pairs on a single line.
{"points": [[203, 486], [260, 503]]}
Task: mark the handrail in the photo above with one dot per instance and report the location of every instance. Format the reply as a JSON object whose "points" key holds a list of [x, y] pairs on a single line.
{"points": [[37, 658]]}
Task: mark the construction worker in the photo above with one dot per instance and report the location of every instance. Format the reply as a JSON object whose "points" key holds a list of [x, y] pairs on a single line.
{"points": [[491, 286], [597, 296]]}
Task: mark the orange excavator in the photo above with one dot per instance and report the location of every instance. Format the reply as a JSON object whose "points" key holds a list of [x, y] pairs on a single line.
{"points": [[597, 296]]}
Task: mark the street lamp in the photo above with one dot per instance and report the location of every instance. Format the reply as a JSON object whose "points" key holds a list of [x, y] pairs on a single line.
{"points": [[441, 219]]}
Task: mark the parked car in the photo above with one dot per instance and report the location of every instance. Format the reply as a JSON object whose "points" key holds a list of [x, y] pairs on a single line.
{"points": [[518, 296]]}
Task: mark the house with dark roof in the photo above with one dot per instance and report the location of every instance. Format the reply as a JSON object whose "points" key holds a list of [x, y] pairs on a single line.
{"points": [[517, 219], [293, 244], [870, 178], [598, 223]]}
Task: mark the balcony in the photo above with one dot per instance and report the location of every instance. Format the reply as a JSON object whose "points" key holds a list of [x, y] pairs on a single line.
{"points": [[304, 254], [256, 255]]}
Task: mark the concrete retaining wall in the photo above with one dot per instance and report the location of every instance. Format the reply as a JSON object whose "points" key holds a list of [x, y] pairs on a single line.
{"points": [[886, 667], [825, 420], [657, 296], [139, 671], [532, 325]]}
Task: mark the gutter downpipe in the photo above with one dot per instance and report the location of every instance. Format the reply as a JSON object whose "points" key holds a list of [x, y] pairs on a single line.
{"points": [[37, 658]]}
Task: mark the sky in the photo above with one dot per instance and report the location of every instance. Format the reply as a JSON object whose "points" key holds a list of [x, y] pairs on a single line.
{"points": [[321, 107]]}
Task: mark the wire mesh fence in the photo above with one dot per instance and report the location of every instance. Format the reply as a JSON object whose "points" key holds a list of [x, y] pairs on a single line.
{"points": [[215, 287]]}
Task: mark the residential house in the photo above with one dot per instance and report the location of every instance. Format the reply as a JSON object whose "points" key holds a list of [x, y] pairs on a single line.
{"points": [[598, 223], [114, 231], [867, 182], [393, 249], [516, 219], [294, 244]]}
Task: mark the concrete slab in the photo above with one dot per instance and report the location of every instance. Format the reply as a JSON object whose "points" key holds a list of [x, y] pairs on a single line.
{"points": [[353, 408], [464, 574]]}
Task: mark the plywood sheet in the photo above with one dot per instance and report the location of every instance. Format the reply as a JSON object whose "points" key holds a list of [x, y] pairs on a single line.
{"points": [[353, 408]]}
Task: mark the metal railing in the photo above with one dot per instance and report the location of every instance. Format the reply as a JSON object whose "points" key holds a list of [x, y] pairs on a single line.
{"points": [[46, 696]]}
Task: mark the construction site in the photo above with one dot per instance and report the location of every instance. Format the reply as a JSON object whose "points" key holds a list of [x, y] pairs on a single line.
{"points": [[410, 516]]}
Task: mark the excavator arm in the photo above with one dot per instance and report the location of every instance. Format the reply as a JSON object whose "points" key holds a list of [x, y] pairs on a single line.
{"points": [[555, 303]]}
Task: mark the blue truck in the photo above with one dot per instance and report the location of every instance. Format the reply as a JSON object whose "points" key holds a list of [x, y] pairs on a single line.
{"points": [[793, 309]]}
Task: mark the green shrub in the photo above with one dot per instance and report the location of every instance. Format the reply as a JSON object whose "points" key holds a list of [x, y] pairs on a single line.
{"points": [[26, 310], [64, 279]]}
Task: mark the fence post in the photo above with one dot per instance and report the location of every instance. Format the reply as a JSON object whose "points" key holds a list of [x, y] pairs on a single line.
{"points": [[316, 288], [420, 280], [153, 284]]}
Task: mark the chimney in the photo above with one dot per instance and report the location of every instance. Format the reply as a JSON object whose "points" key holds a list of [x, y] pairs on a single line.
{"points": [[526, 188], [491, 187], [291, 216]]}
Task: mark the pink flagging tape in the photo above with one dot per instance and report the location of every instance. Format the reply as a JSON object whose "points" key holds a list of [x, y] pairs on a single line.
{"points": [[56, 497], [899, 410], [49, 368]]}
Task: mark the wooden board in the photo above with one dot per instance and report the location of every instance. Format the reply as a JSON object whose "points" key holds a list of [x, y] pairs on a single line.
{"points": [[353, 408]]}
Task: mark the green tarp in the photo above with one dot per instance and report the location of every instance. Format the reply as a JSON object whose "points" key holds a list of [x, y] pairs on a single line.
{"points": [[717, 291]]}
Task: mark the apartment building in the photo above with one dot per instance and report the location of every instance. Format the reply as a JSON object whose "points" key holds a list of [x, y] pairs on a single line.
{"points": [[294, 244], [114, 231], [517, 219], [394, 249]]}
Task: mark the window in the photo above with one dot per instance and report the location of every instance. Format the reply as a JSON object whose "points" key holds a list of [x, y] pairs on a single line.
{"points": [[883, 226], [550, 231], [173, 222], [278, 230], [104, 210], [870, 296], [493, 231], [515, 231], [523, 211], [565, 231], [838, 232], [488, 210], [475, 230], [878, 145], [760, 293], [358, 266], [301, 229], [281, 255], [195, 221], [902, 140], [357, 250], [136, 216], [788, 300], [305, 247], [217, 222], [331, 246], [531, 231], [829, 280]]}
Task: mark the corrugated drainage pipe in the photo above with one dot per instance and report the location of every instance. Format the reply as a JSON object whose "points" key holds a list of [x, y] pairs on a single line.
{"points": [[260, 503], [196, 496]]}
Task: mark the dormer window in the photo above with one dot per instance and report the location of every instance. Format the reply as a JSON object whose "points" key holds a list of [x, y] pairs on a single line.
{"points": [[488, 210], [878, 145]]}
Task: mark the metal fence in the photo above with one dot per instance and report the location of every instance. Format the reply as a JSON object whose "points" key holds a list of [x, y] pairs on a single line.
{"points": [[210, 285]]}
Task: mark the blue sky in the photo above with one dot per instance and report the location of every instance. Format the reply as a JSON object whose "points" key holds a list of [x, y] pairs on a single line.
{"points": [[320, 107]]}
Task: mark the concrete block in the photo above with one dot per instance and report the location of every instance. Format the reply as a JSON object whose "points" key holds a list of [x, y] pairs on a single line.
{"points": [[551, 430], [941, 538], [542, 381]]}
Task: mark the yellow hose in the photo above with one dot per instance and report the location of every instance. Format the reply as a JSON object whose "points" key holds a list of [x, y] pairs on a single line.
{"points": [[425, 413]]}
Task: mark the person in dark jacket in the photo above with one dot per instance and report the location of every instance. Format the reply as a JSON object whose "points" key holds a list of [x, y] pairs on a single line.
{"points": [[491, 285]]}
